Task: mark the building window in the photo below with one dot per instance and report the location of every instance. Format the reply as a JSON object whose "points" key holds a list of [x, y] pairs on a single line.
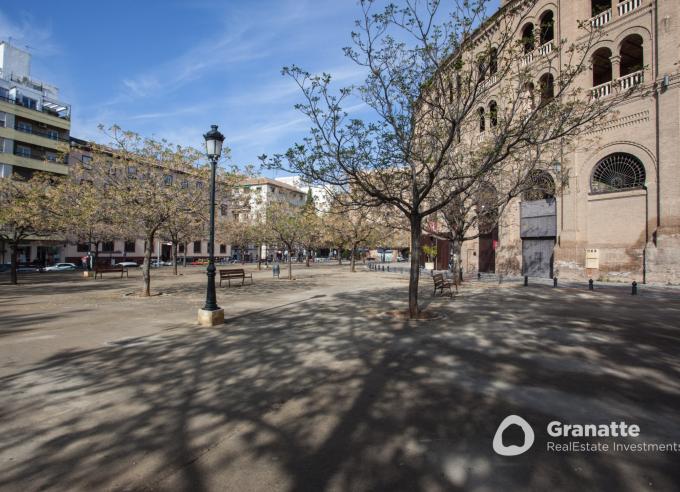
{"points": [[3, 119], [632, 57], [602, 67], [131, 170], [86, 160], [4, 94], [618, 172], [180, 248], [223, 249], [540, 186], [528, 38], [199, 185], [2, 145], [482, 121], [224, 210], [599, 6], [29, 102], [83, 248], [493, 60], [53, 134], [130, 246], [50, 156], [24, 126], [197, 246], [23, 151], [185, 184], [547, 27], [107, 247], [167, 180], [493, 114], [547, 85]]}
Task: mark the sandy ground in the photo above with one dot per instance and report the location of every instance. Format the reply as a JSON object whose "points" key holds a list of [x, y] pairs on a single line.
{"points": [[310, 386]]}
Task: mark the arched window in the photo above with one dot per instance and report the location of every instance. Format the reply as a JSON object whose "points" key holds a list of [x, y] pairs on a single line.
{"points": [[493, 114], [602, 66], [528, 38], [617, 172], [547, 85], [493, 60], [547, 27], [632, 57], [599, 6], [482, 70], [482, 121], [540, 186], [529, 91]]}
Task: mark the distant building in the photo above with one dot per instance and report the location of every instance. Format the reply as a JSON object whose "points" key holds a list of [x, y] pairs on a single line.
{"points": [[34, 123], [321, 196]]}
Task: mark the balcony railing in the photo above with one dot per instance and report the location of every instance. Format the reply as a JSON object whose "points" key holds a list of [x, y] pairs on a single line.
{"points": [[528, 59], [546, 49], [628, 6], [623, 83], [601, 19], [41, 133], [602, 90], [64, 115], [489, 82], [631, 80]]}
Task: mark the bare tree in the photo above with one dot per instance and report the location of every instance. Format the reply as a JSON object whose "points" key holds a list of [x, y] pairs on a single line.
{"points": [[455, 105]]}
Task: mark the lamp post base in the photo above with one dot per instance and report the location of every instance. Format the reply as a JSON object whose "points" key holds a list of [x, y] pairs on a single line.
{"points": [[210, 318]]}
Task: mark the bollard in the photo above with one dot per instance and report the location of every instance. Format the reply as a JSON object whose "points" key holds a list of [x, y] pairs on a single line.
{"points": [[554, 281], [388, 268], [634, 292], [383, 268], [479, 276], [276, 270], [526, 281], [590, 284]]}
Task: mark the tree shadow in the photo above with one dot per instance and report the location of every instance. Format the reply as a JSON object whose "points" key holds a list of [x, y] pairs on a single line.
{"points": [[329, 395]]}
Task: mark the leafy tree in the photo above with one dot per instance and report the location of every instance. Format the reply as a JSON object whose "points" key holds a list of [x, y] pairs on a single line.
{"points": [[27, 209], [434, 134], [285, 226]]}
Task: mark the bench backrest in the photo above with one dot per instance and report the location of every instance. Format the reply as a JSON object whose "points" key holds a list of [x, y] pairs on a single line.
{"points": [[232, 271], [438, 278]]}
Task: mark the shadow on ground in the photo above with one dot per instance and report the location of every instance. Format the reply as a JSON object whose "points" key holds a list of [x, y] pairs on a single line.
{"points": [[330, 395]]}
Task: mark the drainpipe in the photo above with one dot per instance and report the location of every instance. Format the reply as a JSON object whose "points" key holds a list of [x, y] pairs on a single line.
{"points": [[644, 250], [657, 94]]}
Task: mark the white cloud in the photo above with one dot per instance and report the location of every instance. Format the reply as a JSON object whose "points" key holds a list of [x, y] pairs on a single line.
{"points": [[29, 34]]}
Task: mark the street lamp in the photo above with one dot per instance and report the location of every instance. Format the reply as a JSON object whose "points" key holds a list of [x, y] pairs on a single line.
{"points": [[212, 314]]}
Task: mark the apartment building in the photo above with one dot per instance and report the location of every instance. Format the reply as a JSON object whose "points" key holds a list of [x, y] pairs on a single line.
{"points": [[618, 217], [34, 125]]}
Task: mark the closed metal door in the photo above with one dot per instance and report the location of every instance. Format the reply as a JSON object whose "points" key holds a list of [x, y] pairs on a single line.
{"points": [[537, 257]]}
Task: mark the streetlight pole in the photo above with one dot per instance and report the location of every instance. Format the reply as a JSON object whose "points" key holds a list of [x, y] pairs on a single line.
{"points": [[212, 314]]}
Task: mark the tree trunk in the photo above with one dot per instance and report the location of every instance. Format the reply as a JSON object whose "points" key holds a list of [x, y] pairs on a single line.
{"points": [[174, 257], [14, 260], [457, 246], [146, 266], [352, 259], [339, 256], [309, 256], [184, 256], [414, 276], [259, 257]]}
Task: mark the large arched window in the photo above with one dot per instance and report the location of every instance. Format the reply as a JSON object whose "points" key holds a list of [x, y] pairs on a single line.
{"points": [[547, 27], [617, 172], [482, 121], [599, 6], [540, 186], [547, 85], [632, 57], [602, 66], [493, 114], [493, 60], [528, 39]]}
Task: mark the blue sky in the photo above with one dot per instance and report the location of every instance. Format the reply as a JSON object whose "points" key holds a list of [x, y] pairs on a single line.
{"points": [[170, 68]]}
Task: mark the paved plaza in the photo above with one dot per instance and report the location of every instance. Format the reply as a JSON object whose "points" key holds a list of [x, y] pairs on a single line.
{"points": [[309, 385]]}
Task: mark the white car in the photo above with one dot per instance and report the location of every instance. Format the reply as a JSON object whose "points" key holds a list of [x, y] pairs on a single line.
{"points": [[60, 267], [127, 264]]}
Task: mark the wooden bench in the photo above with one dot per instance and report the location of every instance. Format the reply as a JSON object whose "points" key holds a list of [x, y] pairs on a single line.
{"points": [[441, 283], [101, 270], [236, 273]]}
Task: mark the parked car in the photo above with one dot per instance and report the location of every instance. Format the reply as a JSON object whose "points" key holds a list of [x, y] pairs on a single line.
{"points": [[127, 264], [27, 269], [199, 262], [60, 267]]}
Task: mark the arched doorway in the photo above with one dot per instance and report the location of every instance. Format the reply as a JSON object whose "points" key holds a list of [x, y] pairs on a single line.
{"points": [[538, 225]]}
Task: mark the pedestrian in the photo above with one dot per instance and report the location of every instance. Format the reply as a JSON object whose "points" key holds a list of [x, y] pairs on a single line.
{"points": [[83, 260]]}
